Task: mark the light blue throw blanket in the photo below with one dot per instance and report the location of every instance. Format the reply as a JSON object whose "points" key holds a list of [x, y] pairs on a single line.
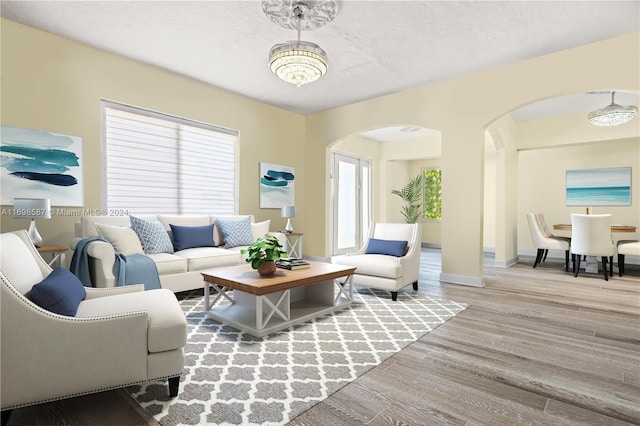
{"points": [[132, 269]]}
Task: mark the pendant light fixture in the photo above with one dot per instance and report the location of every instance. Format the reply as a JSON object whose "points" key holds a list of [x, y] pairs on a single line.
{"points": [[613, 114], [299, 62]]}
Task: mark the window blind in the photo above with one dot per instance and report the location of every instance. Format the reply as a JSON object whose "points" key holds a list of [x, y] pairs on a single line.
{"points": [[156, 163]]}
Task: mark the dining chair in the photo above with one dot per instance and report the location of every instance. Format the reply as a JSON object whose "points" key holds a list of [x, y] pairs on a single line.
{"points": [[626, 247], [544, 241], [547, 232], [591, 236]]}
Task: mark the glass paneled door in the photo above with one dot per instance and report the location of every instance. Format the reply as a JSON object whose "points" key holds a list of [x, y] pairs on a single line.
{"points": [[351, 202]]}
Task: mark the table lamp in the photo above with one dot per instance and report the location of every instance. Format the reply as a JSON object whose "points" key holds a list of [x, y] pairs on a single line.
{"points": [[32, 208], [288, 212]]}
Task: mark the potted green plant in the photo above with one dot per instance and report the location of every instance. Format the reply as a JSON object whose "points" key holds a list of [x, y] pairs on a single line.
{"points": [[263, 253], [411, 194]]}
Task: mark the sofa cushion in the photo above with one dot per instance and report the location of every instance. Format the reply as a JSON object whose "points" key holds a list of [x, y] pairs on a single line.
{"points": [[167, 326], [202, 258], [236, 231], [168, 264], [378, 265], [185, 237], [152, 235], [123, 239], [61, 292], [260, 229], [388, 247]]}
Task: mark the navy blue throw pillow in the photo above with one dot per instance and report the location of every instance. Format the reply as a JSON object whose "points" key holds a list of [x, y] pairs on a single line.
{"points": [[61, 292], [389, 247], [185, 237]]}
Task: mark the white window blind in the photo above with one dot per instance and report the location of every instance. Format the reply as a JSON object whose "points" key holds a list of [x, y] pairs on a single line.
{"points": [[157, 163]]}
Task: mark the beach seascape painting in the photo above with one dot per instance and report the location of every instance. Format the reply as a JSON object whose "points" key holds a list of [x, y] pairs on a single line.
{"points": [[599, 187], [276, 186], [40, 164]]}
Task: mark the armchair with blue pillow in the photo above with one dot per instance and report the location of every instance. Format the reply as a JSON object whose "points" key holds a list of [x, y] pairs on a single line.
{"points": [[389, 259], [60, 339]]}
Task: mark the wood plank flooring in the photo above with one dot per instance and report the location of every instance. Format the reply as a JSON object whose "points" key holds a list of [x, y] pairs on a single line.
{"points": [[535, 346]]}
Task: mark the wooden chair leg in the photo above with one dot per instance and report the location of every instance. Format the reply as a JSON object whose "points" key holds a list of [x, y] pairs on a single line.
{"points": [[544, 259], [4, 416], [576, 265], [566, 260], [394, 296], [174, 383], [620, 264], [604, 267], [538, 257], [415, 285]]}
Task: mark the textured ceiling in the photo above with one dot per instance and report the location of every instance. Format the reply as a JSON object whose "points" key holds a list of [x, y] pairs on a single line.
{"points": [[374, 47]]}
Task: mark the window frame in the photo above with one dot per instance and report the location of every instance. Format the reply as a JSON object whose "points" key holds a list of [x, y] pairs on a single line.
{"points": [[107, 104]]}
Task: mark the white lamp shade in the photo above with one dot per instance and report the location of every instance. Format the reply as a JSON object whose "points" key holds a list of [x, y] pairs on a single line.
{"points": [[288, 211], [32, 208]]}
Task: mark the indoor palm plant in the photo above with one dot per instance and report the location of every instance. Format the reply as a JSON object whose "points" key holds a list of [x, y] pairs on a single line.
{"points": [[263, 253], [411, 194]]}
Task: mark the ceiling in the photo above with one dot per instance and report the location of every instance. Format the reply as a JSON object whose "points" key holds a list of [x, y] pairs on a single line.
{"points": [[374, 47]]}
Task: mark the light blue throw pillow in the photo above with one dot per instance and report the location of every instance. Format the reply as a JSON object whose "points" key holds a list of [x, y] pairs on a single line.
{"points": [[153, 236], [236, 231]]}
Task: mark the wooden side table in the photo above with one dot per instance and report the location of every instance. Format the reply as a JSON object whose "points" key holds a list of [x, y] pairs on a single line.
{"points": [[57, 255], [294, 244]]}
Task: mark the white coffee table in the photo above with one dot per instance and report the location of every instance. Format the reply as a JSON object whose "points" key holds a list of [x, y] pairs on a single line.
{"points": [[263, 305]]}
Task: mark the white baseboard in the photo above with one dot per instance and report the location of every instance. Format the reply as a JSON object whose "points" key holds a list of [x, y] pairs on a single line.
{"points": [[506, 264], [462, 280]]}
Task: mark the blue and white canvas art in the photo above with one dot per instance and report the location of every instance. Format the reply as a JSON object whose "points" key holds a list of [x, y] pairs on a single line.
{"points": [[599, 187], [40, 164], [276, 186]]}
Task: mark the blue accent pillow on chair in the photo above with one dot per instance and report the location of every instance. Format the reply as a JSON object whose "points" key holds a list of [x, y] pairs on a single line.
{"points": [[389, 247], [61, 292], [185, 237]]}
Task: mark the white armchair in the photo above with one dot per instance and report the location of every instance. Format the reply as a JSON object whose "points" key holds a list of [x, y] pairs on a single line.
{"points": [[544, 241], [591, 236], [118, 336], [626, 247], [382, 271]]}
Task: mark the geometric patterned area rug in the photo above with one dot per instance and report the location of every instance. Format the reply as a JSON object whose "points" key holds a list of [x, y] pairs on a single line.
{"points": [[232, 378]]}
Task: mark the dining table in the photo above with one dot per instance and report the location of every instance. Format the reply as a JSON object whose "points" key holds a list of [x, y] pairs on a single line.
{"points": [[614, 228], [591, 264]]}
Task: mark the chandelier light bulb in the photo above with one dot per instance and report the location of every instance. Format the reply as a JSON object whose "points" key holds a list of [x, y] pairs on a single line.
{"points": [[299, 62], [613, 114]]}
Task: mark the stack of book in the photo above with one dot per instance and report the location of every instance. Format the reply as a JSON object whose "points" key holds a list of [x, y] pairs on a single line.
{"points": [[291, 264]]}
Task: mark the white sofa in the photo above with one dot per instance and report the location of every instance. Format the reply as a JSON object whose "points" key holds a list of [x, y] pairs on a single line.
{"points": [[179, 271]]}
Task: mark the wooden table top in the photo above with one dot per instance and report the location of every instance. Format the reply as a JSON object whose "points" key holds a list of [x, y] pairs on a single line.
{"points": [[52, 249], [614, 228], [244, 278]]}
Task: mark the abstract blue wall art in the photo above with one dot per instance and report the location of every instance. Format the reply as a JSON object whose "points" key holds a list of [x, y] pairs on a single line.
{"points": [[276, 186], [40, 164], [599, 187]]}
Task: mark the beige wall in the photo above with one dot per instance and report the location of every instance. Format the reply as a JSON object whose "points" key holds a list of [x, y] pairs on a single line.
{"points": [[54, 84], [462, 109], [542, 184]]}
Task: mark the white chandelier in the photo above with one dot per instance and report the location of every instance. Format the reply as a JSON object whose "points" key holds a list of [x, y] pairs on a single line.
{"points": [[613, 114], [299, 62]]}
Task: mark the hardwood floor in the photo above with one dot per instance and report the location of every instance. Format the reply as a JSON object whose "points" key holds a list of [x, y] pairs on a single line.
{"points": [[535, 346]]}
